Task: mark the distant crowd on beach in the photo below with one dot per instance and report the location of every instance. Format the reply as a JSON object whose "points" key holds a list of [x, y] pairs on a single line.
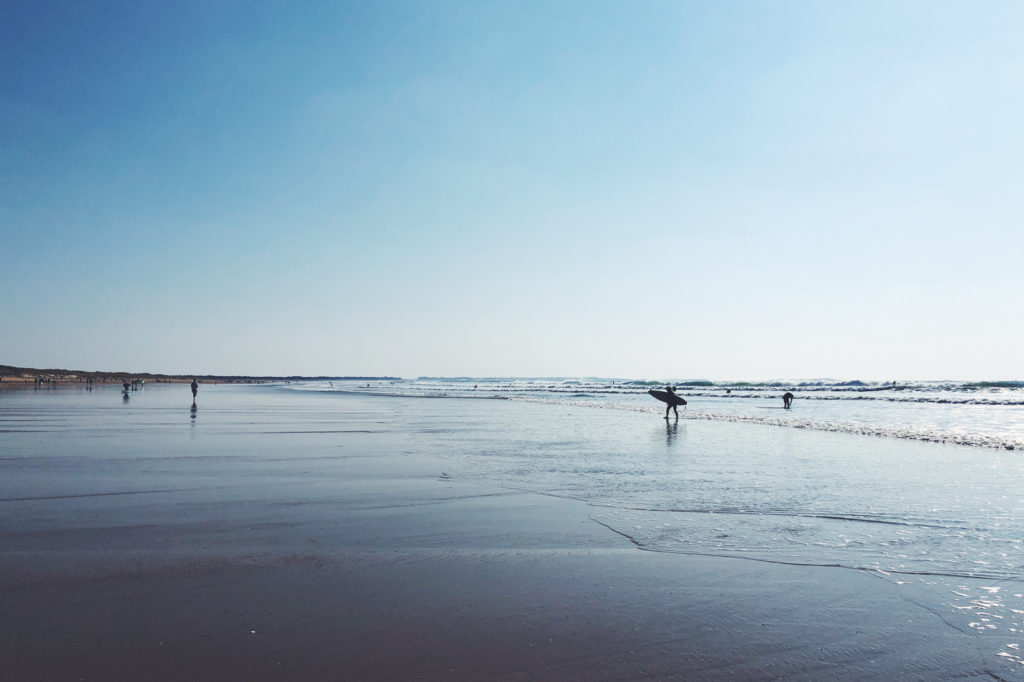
{"points": [[66, 379], [52, 379]]}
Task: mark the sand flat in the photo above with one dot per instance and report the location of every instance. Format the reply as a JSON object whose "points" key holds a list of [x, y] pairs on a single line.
{"points": [[317, 538]]}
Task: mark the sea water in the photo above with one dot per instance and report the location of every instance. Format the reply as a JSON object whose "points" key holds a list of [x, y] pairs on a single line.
{"points": [[987, 414], [919, 484], [916, 484]]}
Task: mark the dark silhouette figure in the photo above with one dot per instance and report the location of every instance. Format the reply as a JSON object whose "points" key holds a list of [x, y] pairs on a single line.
{"points": [[195, 390], [787, 399], [672, 406]]}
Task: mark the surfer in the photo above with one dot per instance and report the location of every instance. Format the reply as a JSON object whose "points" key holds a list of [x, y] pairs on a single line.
{"points": [[672, 405], [195, 390], [787, 400]]}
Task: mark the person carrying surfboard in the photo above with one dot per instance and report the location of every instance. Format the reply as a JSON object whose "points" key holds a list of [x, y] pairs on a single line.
{"points": [[673, 405], [669, 397]]}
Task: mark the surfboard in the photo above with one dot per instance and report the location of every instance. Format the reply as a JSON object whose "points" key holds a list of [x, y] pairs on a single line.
{"points": [[666, 397]]}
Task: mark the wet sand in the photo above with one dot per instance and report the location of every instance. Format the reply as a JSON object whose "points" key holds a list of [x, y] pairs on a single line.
{"points": [[315, 538]]}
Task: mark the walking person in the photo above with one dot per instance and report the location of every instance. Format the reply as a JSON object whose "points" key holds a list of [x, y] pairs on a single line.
{"points": [[675, 401]]}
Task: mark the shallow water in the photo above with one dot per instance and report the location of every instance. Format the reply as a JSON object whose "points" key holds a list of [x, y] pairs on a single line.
{"points": [[944, 522], [963, 413]]}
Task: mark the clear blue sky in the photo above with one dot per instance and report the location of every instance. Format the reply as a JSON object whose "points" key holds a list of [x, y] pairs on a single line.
{"points": [[734, 190]]}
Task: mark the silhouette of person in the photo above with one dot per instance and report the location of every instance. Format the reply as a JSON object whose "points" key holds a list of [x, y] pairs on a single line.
{"points": [[672, 406], [195, 390], [787, 399]]}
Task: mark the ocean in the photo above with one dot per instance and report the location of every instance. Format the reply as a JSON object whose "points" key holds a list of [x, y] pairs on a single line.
{"points": [[918, 484], [983, 413]]}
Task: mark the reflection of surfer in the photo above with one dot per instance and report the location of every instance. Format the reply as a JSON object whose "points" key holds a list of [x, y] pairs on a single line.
{"points": [[195, 390], [787, 399], [671, 429], [671, 405]]}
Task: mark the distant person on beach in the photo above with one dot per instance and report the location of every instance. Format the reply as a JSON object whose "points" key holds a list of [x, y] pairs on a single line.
{"points": [[787, 400], [195, 390]]}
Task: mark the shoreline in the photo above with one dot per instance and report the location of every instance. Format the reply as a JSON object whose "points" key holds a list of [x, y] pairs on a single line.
{"points": [[323, 538], [31, 375], [520, 587]]}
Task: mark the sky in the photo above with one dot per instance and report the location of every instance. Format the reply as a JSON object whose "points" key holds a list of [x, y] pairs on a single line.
{"points": [[742, 190]]}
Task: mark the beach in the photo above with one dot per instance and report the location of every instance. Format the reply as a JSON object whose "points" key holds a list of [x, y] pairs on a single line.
{"points": [[274, 534]]}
